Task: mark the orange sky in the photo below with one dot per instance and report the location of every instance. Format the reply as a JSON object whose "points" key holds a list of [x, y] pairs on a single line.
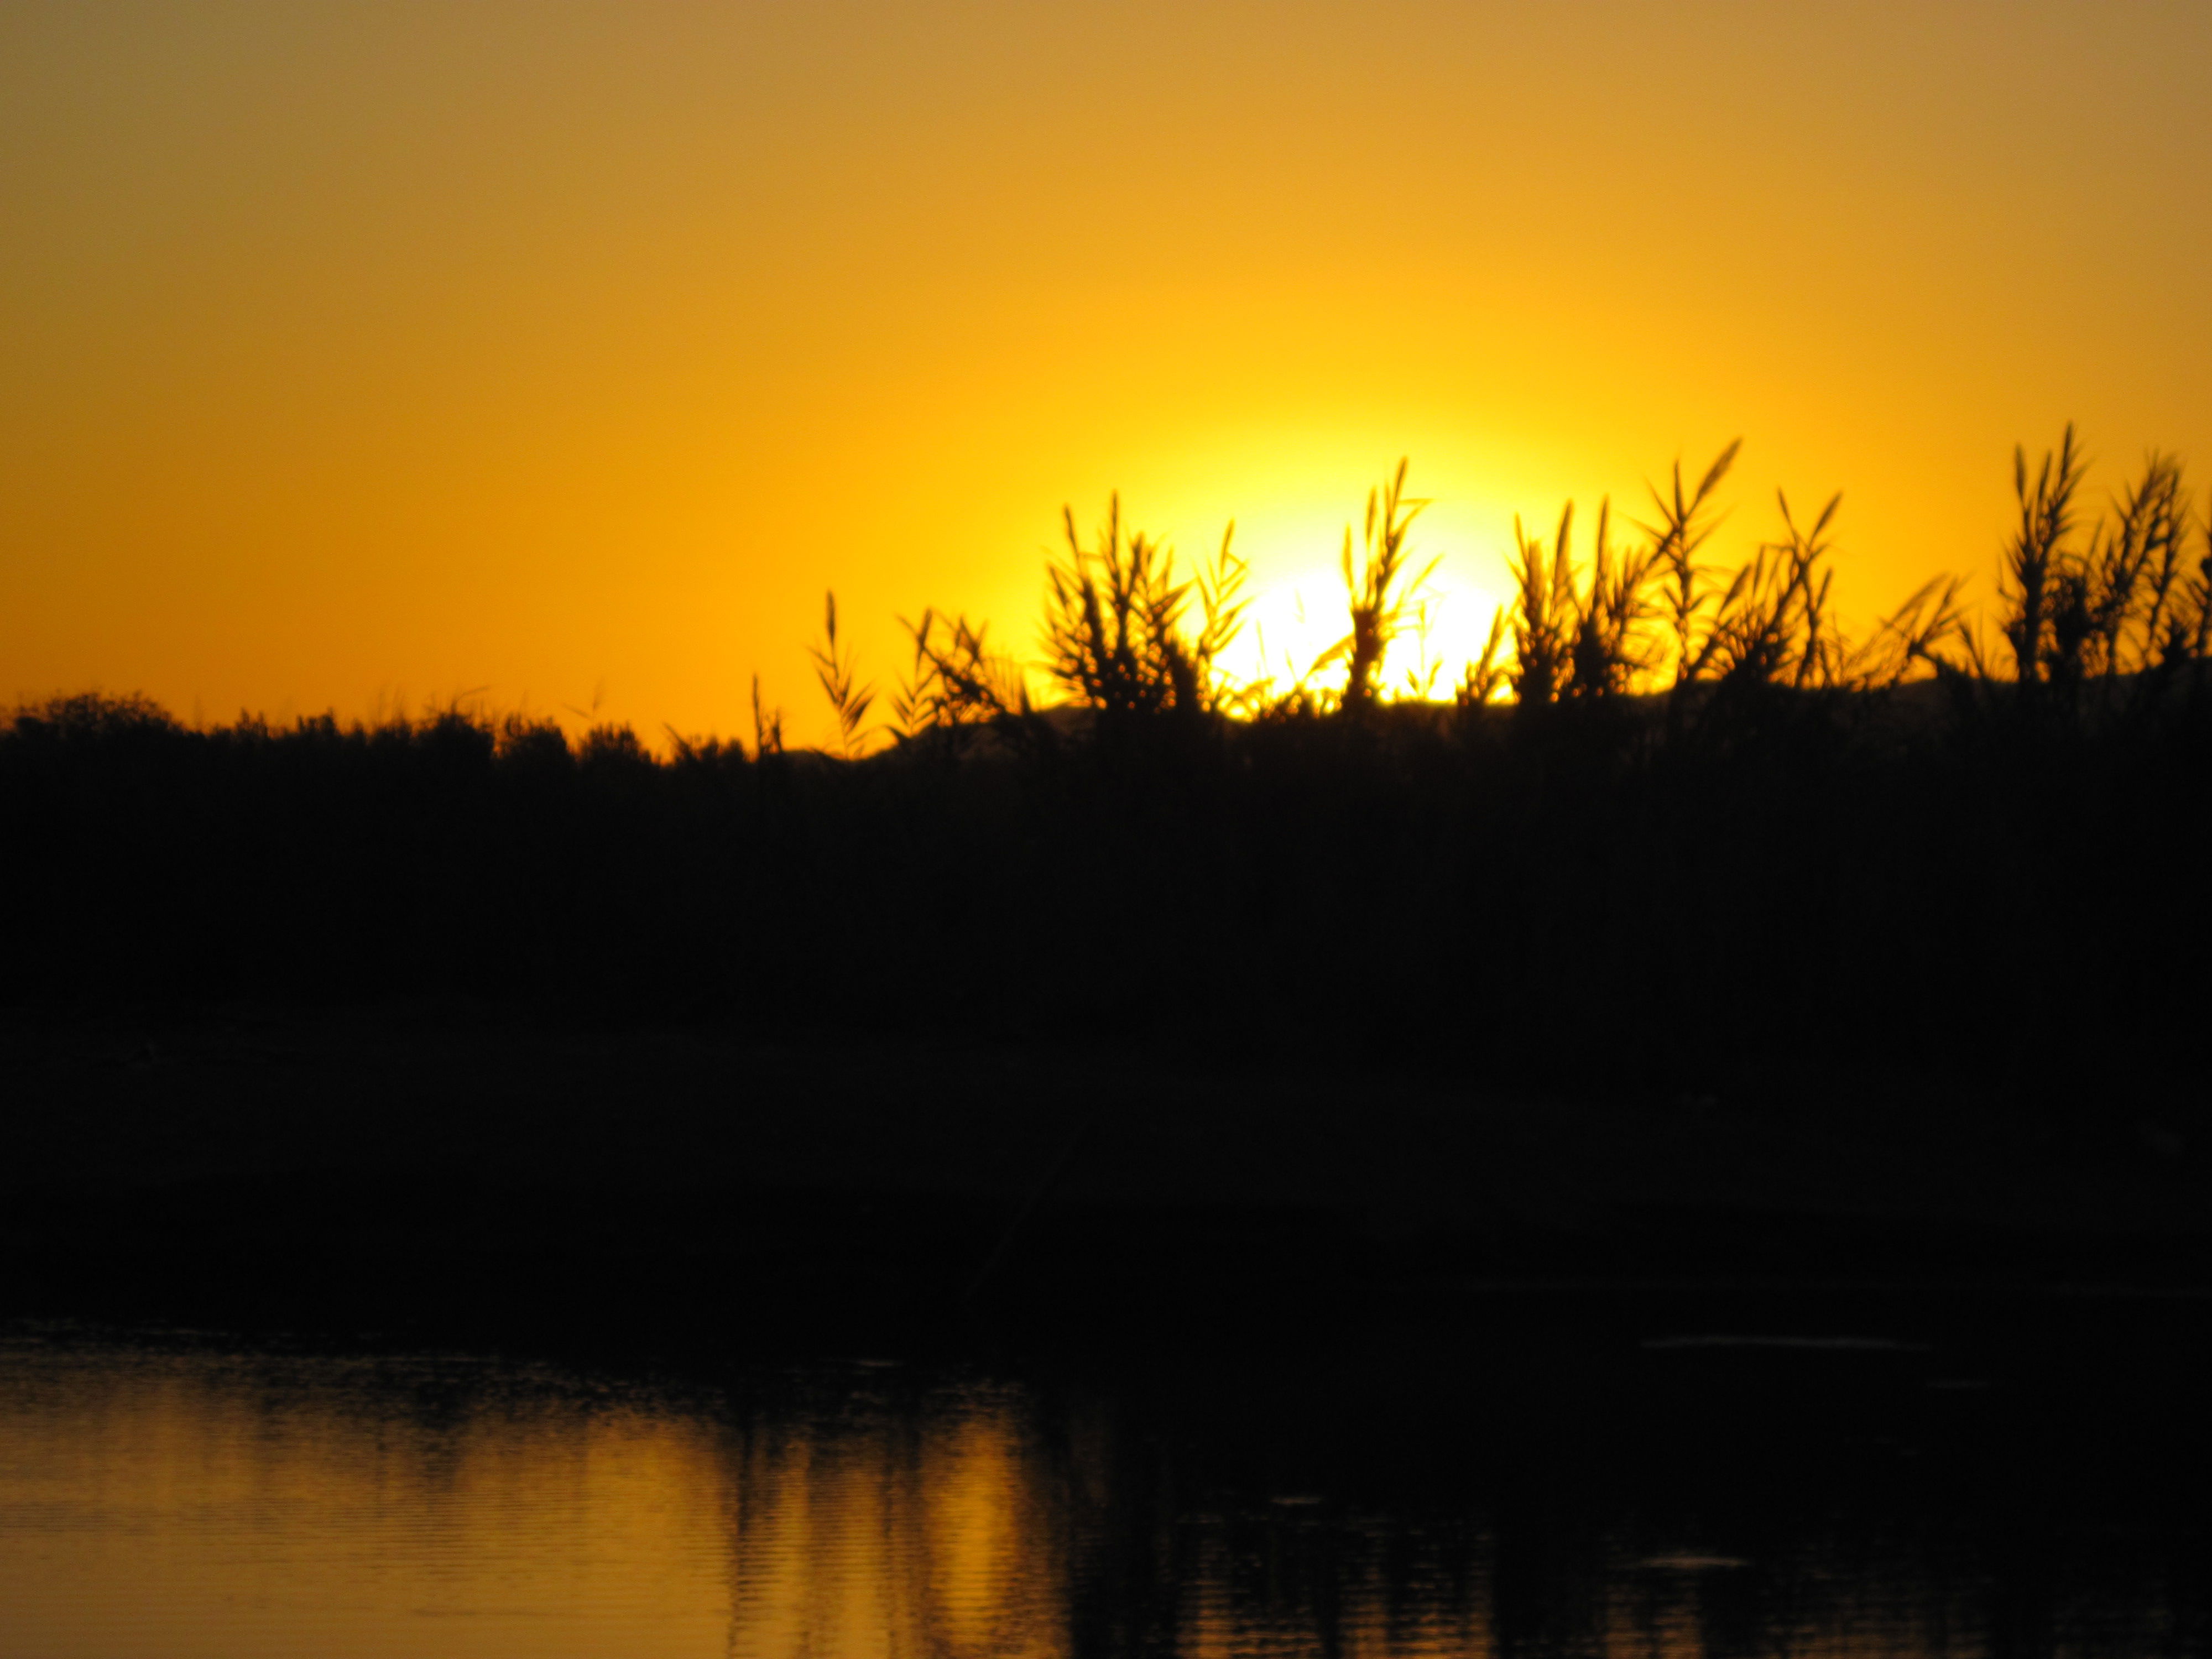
{"points": [[358, 355]]}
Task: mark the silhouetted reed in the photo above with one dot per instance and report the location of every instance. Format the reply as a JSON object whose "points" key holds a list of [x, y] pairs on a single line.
{"points": [[849, 701], [2124, 605], [1377, 590], [1115, 626], [956, 681], [1710, 844]]}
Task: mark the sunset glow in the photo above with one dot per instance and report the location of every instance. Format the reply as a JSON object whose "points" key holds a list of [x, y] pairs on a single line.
{"points": [[369, 357]]}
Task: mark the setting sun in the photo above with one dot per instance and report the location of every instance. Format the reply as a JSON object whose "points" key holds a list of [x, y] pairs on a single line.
{"points": [[1069, 829], [371, 357], [1297, 610]]}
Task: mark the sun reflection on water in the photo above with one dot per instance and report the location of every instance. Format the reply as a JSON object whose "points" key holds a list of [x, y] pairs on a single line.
{"points": [[190, 1503]]}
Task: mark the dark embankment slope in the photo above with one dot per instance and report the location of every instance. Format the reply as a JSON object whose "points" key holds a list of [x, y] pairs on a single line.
{"points": [[1959, 883], [397, 1169]]}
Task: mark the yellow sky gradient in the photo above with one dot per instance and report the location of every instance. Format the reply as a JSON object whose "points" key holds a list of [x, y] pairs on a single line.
{"points": [[366, 354]]}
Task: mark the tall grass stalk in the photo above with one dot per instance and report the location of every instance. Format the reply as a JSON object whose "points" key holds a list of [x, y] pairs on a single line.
{"points": [[2035, 556], [956, 680], [1378, 594], [1544, 621], [1687, 521], [848, 701], [768, 727], [1772, 625], [1116, 628]]}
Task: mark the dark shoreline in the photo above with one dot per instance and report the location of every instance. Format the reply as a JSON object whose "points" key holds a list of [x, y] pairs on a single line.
{"points": [[406, 1169]]}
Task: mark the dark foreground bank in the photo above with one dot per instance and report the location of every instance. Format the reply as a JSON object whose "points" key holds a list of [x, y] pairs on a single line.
{"points": [[1787, 890], [408, 1169]]}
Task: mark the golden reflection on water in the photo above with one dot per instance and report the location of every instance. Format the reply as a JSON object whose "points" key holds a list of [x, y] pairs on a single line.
{"points": [[872, 1533], [187, 1504]]}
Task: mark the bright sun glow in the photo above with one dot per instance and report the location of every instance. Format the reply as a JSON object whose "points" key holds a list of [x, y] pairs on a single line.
{"points": [[1292, 623], [365, 357], [1298, 607]]}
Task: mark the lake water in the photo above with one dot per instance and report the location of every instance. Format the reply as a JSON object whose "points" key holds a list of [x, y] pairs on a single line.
{"points": [[1606, 1488]]}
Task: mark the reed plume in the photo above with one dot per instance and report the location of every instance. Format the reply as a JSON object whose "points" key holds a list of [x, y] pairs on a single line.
{"points": [[1377, 591], [848, 701], [1117, 633]]}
